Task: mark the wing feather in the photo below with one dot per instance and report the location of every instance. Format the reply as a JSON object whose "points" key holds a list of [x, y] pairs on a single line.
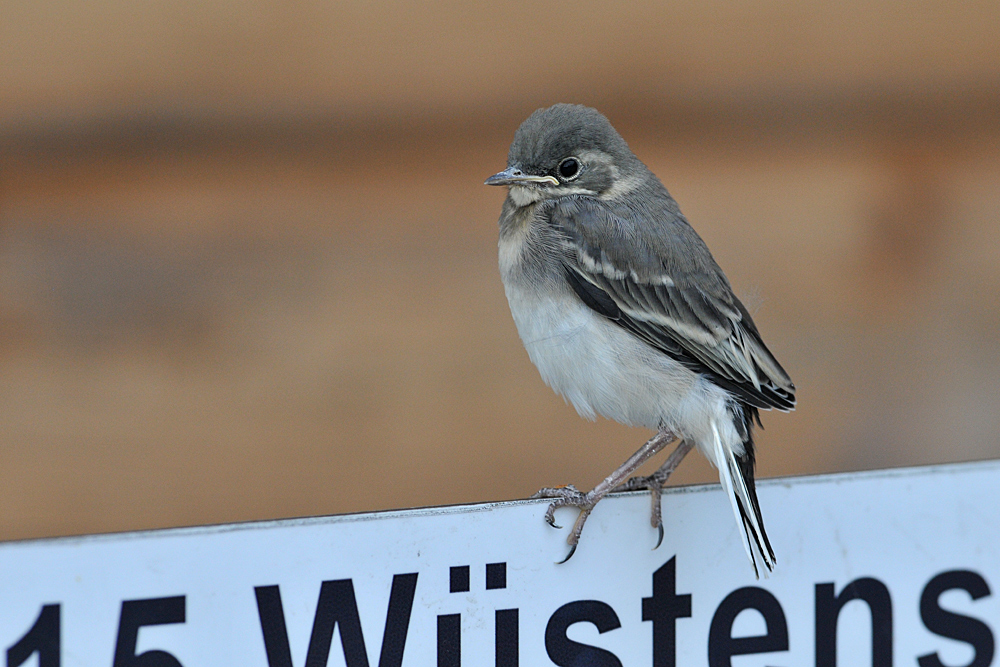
{"points": [[671, 296]]}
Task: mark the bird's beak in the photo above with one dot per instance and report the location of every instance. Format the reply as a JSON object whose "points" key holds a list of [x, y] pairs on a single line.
{"points": [[512, 176]]}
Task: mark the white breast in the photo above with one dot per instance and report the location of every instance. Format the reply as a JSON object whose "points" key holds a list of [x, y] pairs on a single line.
{"points": [[599, 367]]}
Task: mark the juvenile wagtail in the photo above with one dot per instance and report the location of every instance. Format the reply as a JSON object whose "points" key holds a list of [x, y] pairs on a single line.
{"points": [[624, 312]]}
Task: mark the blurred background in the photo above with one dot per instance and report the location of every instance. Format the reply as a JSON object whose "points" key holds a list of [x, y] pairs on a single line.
{"points": [[248, 266]]}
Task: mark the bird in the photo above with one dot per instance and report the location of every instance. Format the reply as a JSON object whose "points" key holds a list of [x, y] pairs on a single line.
{"points": [[625, 313]]}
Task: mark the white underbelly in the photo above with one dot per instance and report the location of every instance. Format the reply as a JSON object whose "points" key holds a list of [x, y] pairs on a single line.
{"points": [[599, 367]]}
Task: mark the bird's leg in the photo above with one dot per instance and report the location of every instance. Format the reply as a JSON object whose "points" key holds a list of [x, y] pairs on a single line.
{"points": [[570, 496], [656, 481]]}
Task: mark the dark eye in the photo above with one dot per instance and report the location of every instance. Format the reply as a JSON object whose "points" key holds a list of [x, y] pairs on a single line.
{"points": [[569, 168]]}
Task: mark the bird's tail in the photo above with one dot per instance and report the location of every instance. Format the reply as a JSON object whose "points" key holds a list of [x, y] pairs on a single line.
{"points": [[736, 474]]}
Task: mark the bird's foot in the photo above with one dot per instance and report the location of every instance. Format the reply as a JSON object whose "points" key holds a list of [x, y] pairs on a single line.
{"points": [[654, 484], [568, 496]]}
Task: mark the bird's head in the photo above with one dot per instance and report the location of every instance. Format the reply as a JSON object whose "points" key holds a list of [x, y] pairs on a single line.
{"points": [[568, 149]]}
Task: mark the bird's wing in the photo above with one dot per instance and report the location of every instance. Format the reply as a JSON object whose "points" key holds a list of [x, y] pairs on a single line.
{"points": [[658, 281]]}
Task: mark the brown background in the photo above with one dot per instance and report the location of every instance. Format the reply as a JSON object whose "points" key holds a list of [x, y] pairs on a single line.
{"points": [[248, 266]]}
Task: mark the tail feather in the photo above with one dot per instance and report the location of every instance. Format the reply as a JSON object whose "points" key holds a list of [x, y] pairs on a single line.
{"points": [[737, 476], [723, 455]]}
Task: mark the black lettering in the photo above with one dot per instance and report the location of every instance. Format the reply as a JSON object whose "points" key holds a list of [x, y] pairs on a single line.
{"points": [[450, 640], [458, 579], [397, 619], [871, 591], [507, 650], [663, 609], [496, 576], [137, 613], [722, 646], [273, 627], [565, 652], [43, 638], [956, 626], [337, 606]]}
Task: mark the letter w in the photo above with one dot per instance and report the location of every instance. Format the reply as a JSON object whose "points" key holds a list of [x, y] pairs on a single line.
{"points": [[337, 606]]}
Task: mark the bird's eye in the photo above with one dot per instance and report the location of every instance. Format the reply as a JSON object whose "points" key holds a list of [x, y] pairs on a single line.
{"points": [[569, 168]]}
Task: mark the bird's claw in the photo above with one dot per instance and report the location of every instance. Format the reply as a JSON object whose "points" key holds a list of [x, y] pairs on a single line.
{"points": [[567, 496], [654, 484], [572, 550]]}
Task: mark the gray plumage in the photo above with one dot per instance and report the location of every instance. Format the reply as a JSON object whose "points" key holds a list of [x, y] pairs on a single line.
{"points": [[622, 308]]}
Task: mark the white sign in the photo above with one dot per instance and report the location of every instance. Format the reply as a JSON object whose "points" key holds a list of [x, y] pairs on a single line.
{"points": [[880, 568]]}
